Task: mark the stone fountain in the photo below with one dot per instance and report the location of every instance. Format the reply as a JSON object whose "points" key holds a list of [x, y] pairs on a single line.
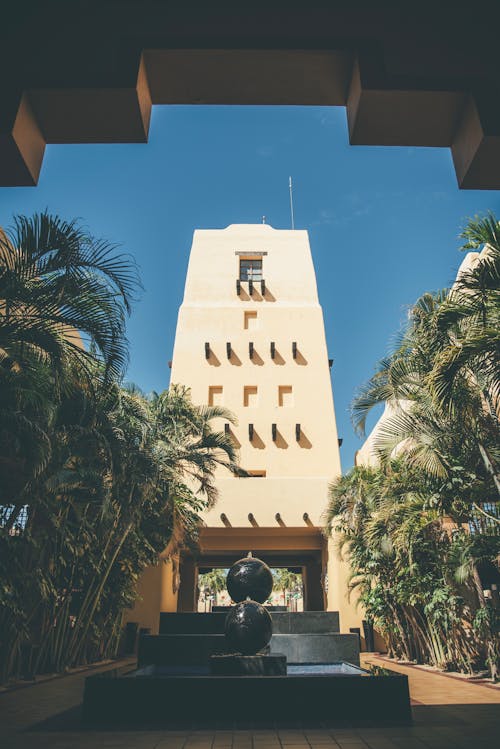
{"points": [[230, 670], [248, 627]]}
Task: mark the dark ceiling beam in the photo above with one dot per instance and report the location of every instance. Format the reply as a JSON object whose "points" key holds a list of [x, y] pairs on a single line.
{"points": [[89, 72]]}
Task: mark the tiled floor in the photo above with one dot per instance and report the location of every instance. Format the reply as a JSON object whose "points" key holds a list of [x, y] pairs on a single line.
{"points": [[448, 714], [431, 688]]}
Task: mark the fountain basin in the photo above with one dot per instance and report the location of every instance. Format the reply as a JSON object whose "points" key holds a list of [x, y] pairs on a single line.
{"points": [[328, 693], [299, 669]]}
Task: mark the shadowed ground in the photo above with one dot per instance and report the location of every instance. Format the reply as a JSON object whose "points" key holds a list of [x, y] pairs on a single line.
{"points": [[448, 714]]}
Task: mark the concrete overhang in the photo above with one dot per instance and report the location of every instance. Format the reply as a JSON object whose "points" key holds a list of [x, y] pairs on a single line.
{"points": [[89, 72], [235, 540]]}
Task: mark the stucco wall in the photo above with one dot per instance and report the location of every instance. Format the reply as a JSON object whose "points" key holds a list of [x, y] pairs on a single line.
{"points": [[297, 472]]}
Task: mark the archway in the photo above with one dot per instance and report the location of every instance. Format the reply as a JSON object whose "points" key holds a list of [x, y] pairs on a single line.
{"points": [[303, 550]]}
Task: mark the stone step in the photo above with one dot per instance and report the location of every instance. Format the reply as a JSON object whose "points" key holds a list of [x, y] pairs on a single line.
{"points": [[179, 650], [190, 623], [303, 622], [188, 650], [316, 648], [306, 622]]}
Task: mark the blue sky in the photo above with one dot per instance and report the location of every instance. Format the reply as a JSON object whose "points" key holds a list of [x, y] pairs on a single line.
{"points": [[383, 222]]}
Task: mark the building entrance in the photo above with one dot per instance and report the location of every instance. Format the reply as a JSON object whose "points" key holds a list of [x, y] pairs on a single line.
{"points": [[301, 550], [287, 593]]}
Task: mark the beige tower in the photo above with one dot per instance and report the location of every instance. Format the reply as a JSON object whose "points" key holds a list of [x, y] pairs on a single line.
{"points": [[250, 336]]}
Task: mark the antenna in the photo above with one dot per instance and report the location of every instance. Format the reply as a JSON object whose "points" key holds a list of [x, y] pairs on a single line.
{"points": [[290, 186]]}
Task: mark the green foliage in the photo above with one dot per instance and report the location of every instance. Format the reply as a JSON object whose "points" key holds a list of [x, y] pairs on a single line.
{"points": [[96, 479], [213, 582], [379, 670], [418, 528], [289, 584], [286, 581]]}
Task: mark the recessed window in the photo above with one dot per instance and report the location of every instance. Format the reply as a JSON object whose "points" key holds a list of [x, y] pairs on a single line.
{"points": [[250, 396], [285, 396], [250, 269], [256, 474], [250, 320], [215, 395]]}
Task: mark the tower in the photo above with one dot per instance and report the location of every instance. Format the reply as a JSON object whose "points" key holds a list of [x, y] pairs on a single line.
{"points": [[250, 336]]}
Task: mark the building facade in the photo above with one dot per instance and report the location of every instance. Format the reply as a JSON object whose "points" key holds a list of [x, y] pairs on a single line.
{"points": [[250, 337]]}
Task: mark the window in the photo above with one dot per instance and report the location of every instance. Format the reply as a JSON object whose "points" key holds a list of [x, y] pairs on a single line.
{"points": [[250, 269], [250, 320], [255, 475], [215, 395], [250, 396], [285, 396]]}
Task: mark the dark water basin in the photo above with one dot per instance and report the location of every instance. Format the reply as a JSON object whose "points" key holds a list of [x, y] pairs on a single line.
{"points": [[313, 694], [293, 670]]}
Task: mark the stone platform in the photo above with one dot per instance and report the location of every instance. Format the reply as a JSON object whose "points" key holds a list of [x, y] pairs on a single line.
{"points": [[317, 648], [179, 649], [303, 637], [157, 696], [284, 622]]}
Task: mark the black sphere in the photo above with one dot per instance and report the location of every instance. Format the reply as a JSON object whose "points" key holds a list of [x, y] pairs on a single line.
{"points": [[249, 578], [248, 628]]}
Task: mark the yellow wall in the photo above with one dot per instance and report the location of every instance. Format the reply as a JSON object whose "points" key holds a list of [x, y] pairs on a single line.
{"points": [[156, 593], [147, 606], [297, 473]]}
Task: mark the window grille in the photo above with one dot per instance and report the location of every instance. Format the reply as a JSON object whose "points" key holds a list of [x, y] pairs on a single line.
{"points": [[20, 522], [250, 269]]}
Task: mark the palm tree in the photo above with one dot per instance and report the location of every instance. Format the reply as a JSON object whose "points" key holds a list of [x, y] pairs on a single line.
{"points": [[441, 386], [213, 581], [109, 501], [404, 565], [63, 300], [285, 581], [470, 359], [443, 379], [471, 320], [59, 285], [97, 480], [189, 442]]}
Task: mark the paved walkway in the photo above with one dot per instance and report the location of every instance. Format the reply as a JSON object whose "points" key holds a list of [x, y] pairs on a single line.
{"points": [[448, 714], [428, 687]]}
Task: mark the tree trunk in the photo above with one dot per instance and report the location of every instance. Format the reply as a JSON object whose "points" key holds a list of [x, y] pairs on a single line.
{"points": [[490, 467], [491, 651]]}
